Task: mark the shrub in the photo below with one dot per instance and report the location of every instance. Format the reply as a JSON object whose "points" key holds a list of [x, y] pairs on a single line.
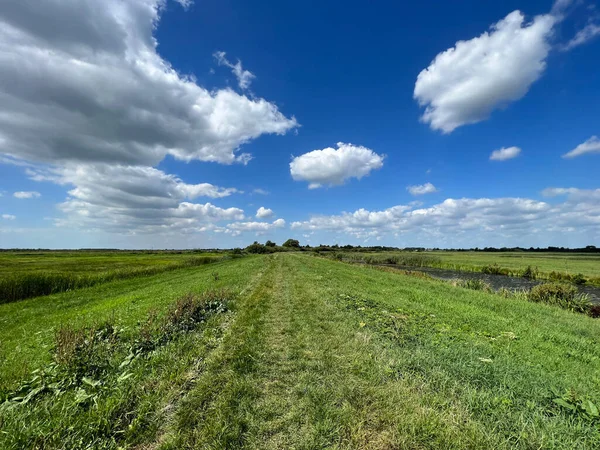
{"points": [[257, 248], [552, 291], [292, 243], [337, 256], [530, 272], [86, 351], [184, 315], [562, 295], [475, 285], [579, 279], [495, 269]]}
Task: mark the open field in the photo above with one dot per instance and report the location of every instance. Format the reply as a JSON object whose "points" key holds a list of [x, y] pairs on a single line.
{"points": [[549, 266], [572, 263], [299, 352], [87, 262], [30, 274]]}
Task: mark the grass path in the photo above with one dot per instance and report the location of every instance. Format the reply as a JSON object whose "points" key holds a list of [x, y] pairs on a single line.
{"points": [[319, 354], [297, 371]]}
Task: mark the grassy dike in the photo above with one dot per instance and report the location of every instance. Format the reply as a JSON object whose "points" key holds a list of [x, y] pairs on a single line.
{"points": [[321, 354]]}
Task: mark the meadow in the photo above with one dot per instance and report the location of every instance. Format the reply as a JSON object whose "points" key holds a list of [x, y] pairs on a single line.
{"points": [[291, 351], [87, 261], [548, 266], [26, 274]]}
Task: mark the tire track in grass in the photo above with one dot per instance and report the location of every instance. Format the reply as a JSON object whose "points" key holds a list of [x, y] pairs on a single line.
{"points": [[327, 382], [298, 371], [216, 413]]}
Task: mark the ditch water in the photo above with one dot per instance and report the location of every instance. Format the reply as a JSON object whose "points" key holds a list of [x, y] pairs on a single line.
{"points": [[496, 281]]}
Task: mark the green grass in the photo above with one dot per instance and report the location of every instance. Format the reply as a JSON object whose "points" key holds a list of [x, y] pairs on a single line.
{"points": [[87, 261], [315, 354], [551, 266], [572, 263], [21, 283]]}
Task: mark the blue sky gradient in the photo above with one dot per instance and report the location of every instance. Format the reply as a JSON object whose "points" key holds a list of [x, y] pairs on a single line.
{"points": [[346, 72]]}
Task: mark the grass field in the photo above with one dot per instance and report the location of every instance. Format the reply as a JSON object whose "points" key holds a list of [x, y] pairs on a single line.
{"points": [[26, 274], [559, 266], [572, 263], [309, 353], [86, 262]]}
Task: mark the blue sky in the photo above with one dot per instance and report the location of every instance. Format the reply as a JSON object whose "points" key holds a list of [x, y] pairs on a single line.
{"points": [[158, 124]]}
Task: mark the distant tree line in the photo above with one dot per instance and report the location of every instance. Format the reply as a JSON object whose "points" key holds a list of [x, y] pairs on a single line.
{"points": [[294, 245]]}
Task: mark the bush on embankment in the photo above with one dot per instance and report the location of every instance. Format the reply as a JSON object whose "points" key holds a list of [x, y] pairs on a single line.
{"points": [[563, 295]]}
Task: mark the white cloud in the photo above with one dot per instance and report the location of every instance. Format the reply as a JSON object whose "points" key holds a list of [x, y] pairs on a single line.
{"points": [[465, 83], [334, 166], [555, 192], [244, 77], [468, 219], [27, 194], [559, 7], [422, 189], [82, 80], [260, 191], [8, 217], [264, 213], [592, 145], [185, 3], [589, 32], [87, 101], [505, 153], [125, 198], [257, 227]]}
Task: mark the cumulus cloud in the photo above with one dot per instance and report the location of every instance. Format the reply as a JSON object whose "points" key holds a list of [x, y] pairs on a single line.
{"points": [[88, 101], [27, 194], [8, 217], [465, 83], [334, 166], [244, 77], [589, 32], [555, 192], [82, 80], [257, 227], [264, 213], [511, 218], [422, 189], [505, 153], [125, 198], [592, 145]]}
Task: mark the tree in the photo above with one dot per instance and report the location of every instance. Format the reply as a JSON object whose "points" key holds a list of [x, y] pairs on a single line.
{"points": [[257, 248], [292, 243], [270, 244]]}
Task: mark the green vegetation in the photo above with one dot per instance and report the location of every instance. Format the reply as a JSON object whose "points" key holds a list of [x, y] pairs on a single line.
{"points": [[568, 267], [290, 351], [23, 285], [561, 295], [13, 262]]}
